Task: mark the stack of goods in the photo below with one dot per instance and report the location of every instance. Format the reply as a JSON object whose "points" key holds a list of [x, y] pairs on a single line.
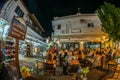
{"points": [[25, 71], [9, 51]]}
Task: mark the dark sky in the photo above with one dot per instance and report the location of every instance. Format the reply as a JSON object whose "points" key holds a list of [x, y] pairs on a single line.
{"points": [[45, 10]]}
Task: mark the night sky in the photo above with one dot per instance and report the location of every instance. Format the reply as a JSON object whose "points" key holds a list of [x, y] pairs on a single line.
{"points": [[45, 10]]}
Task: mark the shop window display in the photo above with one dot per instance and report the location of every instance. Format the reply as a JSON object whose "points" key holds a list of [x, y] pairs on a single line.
{"points": [[92, 45], [28, 50], [7, 47], [7, 55], [22, 48]]}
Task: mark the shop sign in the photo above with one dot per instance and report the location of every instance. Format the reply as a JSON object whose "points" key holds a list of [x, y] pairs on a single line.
{"points": [[76, 30], [18, 28]]}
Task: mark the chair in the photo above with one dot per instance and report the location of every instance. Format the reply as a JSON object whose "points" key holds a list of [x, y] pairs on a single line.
{"points": [[116, 72], [59, 70], [74, 68], [49, 69], [73, 71], [82, 62], [112, 67]]}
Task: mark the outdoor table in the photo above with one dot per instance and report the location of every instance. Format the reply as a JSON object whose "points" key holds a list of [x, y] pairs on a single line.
{"points": [[112, 65], [49, 68]]}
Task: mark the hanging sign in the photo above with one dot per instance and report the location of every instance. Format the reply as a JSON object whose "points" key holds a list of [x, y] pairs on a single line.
{"points": [[18, 28]]}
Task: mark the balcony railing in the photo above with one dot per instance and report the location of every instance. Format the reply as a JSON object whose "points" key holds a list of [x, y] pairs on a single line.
{"points": [[33, 27]]}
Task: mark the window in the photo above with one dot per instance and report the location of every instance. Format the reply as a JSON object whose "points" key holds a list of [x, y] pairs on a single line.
{"points": [[59, 26], [83, 20], [90, 25], [68, 27], [19, 12], [63, 32]]}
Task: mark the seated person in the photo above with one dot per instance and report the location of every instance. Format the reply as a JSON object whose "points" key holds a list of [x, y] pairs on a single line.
{"points": [[75, 61], [49, 60], [74, 65]]}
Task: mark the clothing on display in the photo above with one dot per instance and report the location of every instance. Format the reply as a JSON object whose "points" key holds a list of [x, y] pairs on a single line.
{"points": [[9, 51]]}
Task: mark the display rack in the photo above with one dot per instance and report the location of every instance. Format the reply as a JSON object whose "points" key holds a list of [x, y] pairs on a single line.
{"points": [[9, 51], [22, 48]]}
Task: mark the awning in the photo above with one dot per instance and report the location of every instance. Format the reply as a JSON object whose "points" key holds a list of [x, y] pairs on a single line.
{"points": [[81, 37]]}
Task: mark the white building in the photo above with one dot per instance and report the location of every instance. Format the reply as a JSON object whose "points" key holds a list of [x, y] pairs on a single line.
{"points": [[82, 28], [11, 8]]}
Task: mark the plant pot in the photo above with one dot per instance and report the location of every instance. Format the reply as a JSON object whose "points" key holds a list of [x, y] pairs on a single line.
{"points": [[84, 78]]}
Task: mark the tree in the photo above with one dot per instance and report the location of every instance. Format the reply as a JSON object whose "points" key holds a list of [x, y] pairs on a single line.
{"points": [[110, 19]]}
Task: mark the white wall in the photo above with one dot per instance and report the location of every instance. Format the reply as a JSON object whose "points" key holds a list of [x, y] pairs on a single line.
{"points": [[77, 25], [8, 11]]}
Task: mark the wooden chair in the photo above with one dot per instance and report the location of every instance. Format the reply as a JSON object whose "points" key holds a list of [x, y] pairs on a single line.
{"points": [[49, 69], [73, 71], [59, 70], [116, 72]]}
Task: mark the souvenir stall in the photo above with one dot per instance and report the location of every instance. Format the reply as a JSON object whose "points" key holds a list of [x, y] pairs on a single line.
{"points": [[22, 48], [30, 47], [8, 50], [10, 34], [7, 43], [34, 43], [25, 48]]}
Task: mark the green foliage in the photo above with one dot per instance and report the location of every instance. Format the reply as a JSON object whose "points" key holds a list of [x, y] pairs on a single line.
{"points": [[85, 70], [110, 18], [1, 66]]}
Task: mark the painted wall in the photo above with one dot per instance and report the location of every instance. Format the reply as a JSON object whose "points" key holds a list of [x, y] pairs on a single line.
{"points": [[74, 25]]}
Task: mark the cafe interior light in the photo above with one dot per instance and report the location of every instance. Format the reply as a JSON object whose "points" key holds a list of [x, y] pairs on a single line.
{"points": [[81, 42], [58, 42]]}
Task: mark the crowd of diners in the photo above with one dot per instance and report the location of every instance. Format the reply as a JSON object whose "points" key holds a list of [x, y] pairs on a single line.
{"points": [[93, 58]]}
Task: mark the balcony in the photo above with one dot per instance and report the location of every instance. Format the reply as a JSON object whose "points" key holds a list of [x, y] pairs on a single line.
{"points": [[33, 27]]}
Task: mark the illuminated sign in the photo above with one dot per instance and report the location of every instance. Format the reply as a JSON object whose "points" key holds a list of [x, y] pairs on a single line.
{"points": [[18, 28]]}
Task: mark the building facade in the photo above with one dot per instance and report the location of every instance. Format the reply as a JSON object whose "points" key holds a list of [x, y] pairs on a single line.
{"points": [[83, 29], [16, 8]]}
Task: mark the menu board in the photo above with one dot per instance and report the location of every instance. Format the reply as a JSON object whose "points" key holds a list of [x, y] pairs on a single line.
{"points": [[18, 28]]}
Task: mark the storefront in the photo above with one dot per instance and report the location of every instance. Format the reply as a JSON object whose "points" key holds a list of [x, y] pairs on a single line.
{"points": [[7, 44], [92, 45], [70, 45], [10, 34], [29, 48], [32, 45]]}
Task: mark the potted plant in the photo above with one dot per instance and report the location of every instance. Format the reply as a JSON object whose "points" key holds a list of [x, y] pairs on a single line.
{"points": [[84, 72]]}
